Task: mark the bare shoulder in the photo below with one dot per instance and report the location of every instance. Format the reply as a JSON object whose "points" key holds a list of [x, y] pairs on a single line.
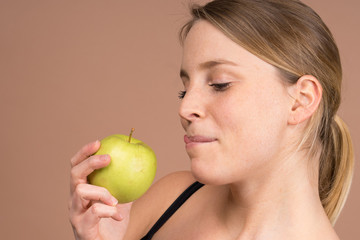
{"points": [[146, 210]]}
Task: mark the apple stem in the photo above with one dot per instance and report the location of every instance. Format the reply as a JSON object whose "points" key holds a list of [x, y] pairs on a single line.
{"points": [[132, 130]]}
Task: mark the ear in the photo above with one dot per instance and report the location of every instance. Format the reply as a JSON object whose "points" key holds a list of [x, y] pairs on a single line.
{"points": [[307, 93]]}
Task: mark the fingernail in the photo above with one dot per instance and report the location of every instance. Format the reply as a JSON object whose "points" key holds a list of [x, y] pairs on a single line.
{"points": [[96, 143], [114, 201]]}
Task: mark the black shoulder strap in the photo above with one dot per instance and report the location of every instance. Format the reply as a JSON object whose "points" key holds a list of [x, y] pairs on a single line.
{"points": [[172, 209]]}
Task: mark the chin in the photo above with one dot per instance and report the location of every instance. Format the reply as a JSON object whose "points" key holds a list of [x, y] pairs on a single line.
{"points": [[207, 173]]}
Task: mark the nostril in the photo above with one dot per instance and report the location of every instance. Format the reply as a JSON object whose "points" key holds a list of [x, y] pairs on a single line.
{"points": [[190, 108], [196, 115]]}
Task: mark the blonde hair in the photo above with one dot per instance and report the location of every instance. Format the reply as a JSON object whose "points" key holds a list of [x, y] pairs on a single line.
{"points": [[292, 37]]}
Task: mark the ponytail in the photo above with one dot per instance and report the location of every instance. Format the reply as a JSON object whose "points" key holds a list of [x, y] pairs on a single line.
{"points": [[336, 169]]}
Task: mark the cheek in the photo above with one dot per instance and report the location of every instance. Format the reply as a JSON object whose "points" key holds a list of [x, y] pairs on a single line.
{"points": [[249, 129], [253, 124]]}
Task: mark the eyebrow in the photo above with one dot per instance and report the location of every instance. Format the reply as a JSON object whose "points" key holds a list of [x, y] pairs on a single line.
{"points": [[208, 65]]}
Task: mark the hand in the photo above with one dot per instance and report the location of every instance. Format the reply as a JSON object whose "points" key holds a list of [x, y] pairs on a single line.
{"points": [[94, 212]]}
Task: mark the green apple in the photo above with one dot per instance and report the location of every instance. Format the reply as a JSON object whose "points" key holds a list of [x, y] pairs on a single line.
{"points": [[131, 170]]}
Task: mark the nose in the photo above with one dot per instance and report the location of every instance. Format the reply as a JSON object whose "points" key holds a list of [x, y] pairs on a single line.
{"points": [[192, 106]]}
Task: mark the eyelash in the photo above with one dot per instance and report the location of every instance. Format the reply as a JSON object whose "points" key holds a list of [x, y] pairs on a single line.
{"points": [[219, 87], [182, 94]]}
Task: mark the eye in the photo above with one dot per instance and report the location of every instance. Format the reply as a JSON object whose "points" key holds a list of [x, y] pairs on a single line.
{"points": [[182, 94], [220, 86]]}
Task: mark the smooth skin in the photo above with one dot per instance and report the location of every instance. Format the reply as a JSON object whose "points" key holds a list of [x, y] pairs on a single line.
{"points": [[257, 186]]}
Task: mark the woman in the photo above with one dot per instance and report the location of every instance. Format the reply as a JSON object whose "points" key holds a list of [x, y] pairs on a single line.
{"points": [[262, 85]]}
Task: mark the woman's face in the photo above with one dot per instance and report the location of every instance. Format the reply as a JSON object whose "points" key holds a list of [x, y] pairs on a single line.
{"points": [[234, 108]]}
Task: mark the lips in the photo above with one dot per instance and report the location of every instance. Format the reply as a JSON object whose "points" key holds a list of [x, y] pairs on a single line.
{"points": [[198, 139]]}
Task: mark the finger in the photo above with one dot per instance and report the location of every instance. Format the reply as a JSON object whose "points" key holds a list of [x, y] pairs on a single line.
{"points": [[85, 193], [80, 172], [124, 209], [85, 152], [97, 211]]}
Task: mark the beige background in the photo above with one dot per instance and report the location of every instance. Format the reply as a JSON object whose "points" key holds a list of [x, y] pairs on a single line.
{"points": [[75, 71]]}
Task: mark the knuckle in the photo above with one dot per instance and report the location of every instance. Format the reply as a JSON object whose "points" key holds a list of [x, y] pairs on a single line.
{"points": [[73, 172], [95, 209], [79, 190], [78, 193], [73, 185]]}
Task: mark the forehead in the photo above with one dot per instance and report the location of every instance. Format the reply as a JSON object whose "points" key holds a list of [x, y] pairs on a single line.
{"points": [[205, 42]]}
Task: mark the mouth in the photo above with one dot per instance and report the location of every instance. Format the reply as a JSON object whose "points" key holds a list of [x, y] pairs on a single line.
{"points": [[196, 140]]}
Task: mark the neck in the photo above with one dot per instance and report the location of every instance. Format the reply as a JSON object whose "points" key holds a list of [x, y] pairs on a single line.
{"points": [[277, 203]]}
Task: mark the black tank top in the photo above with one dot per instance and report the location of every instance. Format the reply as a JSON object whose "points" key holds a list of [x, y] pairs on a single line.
{"points": [[172, 209]]}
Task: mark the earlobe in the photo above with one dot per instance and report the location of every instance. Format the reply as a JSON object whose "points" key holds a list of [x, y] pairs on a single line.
{"points": [[307, 95]]}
